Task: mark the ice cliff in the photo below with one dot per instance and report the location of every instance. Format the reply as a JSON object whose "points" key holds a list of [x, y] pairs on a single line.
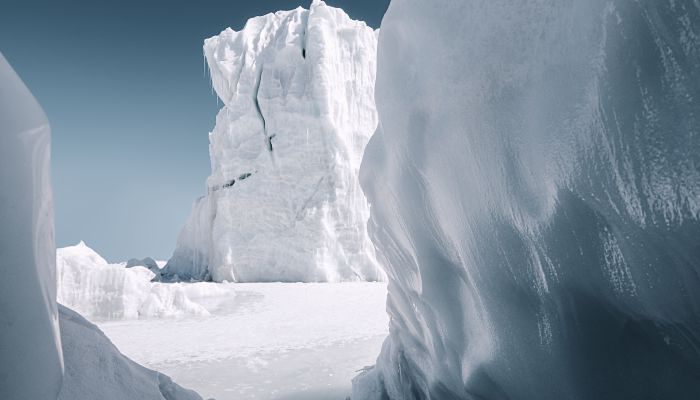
{"points": [[283, 201], [535, 196], [38, 339], [30, 345]]}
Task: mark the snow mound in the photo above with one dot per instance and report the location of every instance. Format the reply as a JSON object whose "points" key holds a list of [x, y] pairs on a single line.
{"points": [[101, 291], [95, 369], [30, 345], [535, 197], [283, 201]]}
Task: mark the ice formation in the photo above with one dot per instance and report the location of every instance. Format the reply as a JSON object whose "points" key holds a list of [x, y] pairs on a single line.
{"points": [[148, 263], [101, 291], [283, 201], [535, 199], [30, 345], [32, 351], [95, 369]]}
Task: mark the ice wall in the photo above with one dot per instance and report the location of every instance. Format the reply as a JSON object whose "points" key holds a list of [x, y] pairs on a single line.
{"points": [[535, 195], [32, 350], [31, 364], [283, 201]]}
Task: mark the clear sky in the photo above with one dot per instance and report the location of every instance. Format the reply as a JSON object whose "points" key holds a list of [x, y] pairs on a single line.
{"points": [[123, 83]]}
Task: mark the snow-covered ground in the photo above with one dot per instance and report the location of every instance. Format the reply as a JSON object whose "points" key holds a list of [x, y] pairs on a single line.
{"points": [[264, 340]]}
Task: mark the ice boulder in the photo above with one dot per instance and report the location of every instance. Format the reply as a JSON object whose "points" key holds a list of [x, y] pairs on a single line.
{"points": [[31, 365], [283, 201], [535, 196]]}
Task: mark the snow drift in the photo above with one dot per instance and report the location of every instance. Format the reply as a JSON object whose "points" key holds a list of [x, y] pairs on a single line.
{"points": [[535, 195], [30, 345], [283, 201]]}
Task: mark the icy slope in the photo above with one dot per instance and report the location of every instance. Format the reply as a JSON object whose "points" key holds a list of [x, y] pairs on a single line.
{"points": [[535, 193], [30, 346], [102, 291], [95, 369], [283, 201]]}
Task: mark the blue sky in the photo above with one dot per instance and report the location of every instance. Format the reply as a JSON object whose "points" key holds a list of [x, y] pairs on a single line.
{"points": [[125, 89]]}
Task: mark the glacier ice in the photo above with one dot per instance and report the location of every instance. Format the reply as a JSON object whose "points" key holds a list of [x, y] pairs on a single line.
{"points": [[283, 201], [102, 291], [30, 345], [535, 199], [95, 369]]}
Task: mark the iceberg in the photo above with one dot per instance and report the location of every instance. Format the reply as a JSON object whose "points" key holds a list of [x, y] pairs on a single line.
{"points": [[100, 291], [148, 263], [283, 201], [30, 345], [535, 200]]}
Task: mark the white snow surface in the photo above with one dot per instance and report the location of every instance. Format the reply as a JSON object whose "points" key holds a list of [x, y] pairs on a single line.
{"points": [[31, 364], [98, 290], [95, 369], [534, 192], [265, 340], [283, 200]]}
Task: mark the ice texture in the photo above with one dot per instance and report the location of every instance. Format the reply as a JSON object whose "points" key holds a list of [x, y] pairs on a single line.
{"points": [[535, 193], [283, 200], [95, 369], [31, 364], [88, 284]]}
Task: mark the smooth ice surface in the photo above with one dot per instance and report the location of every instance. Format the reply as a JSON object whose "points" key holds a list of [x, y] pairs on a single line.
{"points": [[95, 369], [283, 201], [535, 195], [102, 291], [30, 345], [265, 340]]}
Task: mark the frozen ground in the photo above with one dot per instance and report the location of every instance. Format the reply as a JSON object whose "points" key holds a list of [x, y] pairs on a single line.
{"points": [[264, 340]]}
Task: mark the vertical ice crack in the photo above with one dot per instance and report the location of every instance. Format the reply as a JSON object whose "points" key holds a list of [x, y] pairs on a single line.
{"points": [[303, 42], [256, 101]]}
